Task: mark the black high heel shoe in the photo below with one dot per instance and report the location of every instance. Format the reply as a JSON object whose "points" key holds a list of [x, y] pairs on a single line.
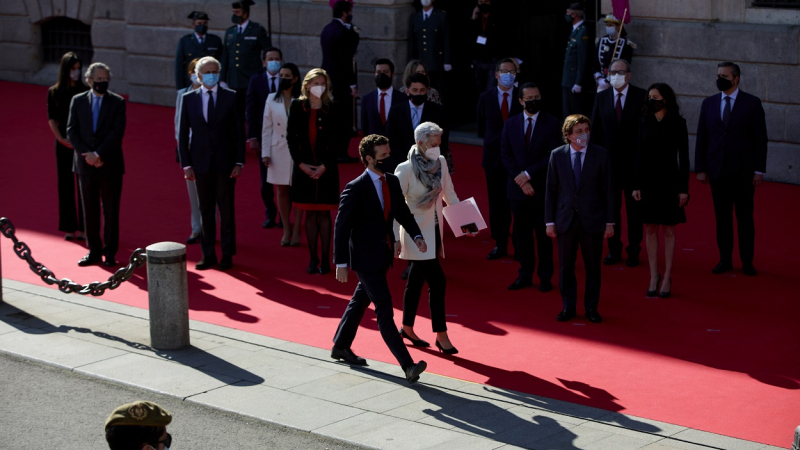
{"points": [[312, 267], [324, 268], [446, 351], [654, 292], [414, 342], [666, 294]]}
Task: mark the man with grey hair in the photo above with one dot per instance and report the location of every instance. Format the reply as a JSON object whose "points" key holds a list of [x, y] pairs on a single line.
{"points": [[213, 157], [95, 129]]}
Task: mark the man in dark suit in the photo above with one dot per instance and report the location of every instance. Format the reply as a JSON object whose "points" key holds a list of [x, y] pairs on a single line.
{"points": [[339, 41], [214, 158], [406, 116], [577, 84], [241, 55], [615, 125], [193, 46], [95, 129], [260, 87], [364, 240], [731, 154], [376, 105], [526, 143], [495, 106], [429, 42], [579, 209]]}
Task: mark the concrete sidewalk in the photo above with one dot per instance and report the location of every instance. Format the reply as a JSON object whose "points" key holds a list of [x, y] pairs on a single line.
{"points": [[301, 387]]}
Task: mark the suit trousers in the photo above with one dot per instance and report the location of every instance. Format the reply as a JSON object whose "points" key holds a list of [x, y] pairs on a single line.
{"points": [[101, 193], [577, 103], [342, 118], [373, 287], [591, 247], [633, 223], [499, 206], [267, 194], [216, 190], [529, 219], [70, 213], [729, 193], [430, 271]]}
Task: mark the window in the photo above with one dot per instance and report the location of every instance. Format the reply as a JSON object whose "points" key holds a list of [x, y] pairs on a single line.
{"points": [[794, 4], [61, 35]]}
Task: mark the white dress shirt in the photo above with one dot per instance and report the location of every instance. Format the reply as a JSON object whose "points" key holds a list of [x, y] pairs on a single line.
{"points": [[577, 25]]}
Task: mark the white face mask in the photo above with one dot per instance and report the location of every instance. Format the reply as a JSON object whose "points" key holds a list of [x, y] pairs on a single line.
{"points": [[618, 81], [426, 3], [611, 31], [75, 74], [582, 140], [317, 91], [433, 153]]}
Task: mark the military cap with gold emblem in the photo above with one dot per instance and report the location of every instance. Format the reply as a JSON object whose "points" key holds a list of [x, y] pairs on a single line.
{"points": [[610, 18], [141, 413]]}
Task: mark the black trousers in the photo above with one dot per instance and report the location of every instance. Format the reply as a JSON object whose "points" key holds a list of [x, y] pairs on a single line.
{"points": [[240, 101], [577, 103], [591, 247], [529, 219], [734, 193], [372, 287], [267, 193], [499, 206], [430, 271], [216, 190], [633, 223], [101, 195], [342, 118], [70, 213]]}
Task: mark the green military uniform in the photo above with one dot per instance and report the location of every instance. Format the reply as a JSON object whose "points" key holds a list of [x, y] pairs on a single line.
{"points": [[190, 48], [429, 41], [241, 55], [577, 71]]}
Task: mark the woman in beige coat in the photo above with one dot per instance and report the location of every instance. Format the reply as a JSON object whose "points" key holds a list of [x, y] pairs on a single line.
{"points": [[425, 181]]}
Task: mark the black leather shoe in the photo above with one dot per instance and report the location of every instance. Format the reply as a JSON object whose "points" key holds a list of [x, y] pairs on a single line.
{"points": [[413, 371], [722, 267], [519, 283], [414, 342], [269, 223], [312, 267], [226, 263], [348, 356], [110, 262], [324, 268], [279, 224], [90, 260], [565, 315], [496, 253], [633, 261], [611, 259], [750, 271], [206, 263], [193, 240], [594, 316], [545, 286]]}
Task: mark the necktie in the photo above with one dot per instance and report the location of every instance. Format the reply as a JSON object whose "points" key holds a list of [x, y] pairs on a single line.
{"points": [[272, 86], [576, 169], [387, 198], [504, 108], [383, 108], [424, 17], [210, 110], [415, 117], [95, 112], [618, 107], [240, 30], [529, 131], [726, 112]]}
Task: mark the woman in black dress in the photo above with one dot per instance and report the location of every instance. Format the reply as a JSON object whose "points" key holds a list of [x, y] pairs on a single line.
{"points": [[662, 179], [315, 179], [70, 82]]}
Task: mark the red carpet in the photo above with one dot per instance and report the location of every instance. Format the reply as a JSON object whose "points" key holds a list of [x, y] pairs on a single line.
{"points": [[720, 356]]}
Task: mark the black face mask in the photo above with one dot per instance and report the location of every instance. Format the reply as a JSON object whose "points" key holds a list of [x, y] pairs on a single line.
{"points": [[383, 81], [484, 8], [418, 99], [200, 29], [348, 18], [236, 19], [101, 87], [385, 165], [655, 105], [568, 18], [532, 106], [723, 84], [286, 83]]}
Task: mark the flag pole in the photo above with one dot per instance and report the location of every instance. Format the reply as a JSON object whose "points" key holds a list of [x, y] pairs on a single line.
{"points": [[619, 35]]}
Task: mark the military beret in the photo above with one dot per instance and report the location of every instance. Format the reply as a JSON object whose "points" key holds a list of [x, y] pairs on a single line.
{"points": [[141, 413], [243, 4], [198, 15]]}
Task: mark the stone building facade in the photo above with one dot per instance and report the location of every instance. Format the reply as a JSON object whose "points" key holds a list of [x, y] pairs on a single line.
{"points": [[679, 42]]}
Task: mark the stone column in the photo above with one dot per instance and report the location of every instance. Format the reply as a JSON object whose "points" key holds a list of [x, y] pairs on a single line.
{"points": [[169, 296]]}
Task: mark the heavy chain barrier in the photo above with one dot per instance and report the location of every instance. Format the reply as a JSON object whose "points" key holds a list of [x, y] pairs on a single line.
{"points": [[138, 259]]}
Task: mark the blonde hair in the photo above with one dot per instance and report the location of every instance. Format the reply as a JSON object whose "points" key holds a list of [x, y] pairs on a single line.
{"points": [[411, 69], [571, 121], [327, 99]]}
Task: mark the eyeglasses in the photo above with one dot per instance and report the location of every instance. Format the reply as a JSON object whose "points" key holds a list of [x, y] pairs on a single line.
{"points": [[504, 72], [528, 99], [617, 72]]}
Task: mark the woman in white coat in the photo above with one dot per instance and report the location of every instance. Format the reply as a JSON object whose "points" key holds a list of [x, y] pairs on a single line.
{"points": [[425, 181], [275, 148]]}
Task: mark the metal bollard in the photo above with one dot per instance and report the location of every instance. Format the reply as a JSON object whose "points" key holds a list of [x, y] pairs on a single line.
{"points": [[168, 292], [1, 274], [796, 444]]}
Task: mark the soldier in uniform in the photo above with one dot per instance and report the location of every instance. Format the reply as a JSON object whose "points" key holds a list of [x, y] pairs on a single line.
{"points": [[241, 56], [429, 41], [577, 84], [195, 46], [605, 47]]}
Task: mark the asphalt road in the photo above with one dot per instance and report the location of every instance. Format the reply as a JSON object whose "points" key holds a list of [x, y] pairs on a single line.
{"points": [[47, 407]]}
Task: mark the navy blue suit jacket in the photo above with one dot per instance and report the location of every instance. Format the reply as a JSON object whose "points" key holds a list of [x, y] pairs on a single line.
{"points": [[738, 149], [361, 234], [531, 157], [216, 145], [400, 129], [370, 113], [592, 202], [490, 125], [338, 48], [257, 92], [106, 141]]}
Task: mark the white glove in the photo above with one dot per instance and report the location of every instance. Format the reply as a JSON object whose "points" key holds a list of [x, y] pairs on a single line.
{"points": [[448, 67], [576, 89], [602, 85]]}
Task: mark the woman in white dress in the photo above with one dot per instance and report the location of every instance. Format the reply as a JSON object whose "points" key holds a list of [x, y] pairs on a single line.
{"points": [[275, 149]]}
